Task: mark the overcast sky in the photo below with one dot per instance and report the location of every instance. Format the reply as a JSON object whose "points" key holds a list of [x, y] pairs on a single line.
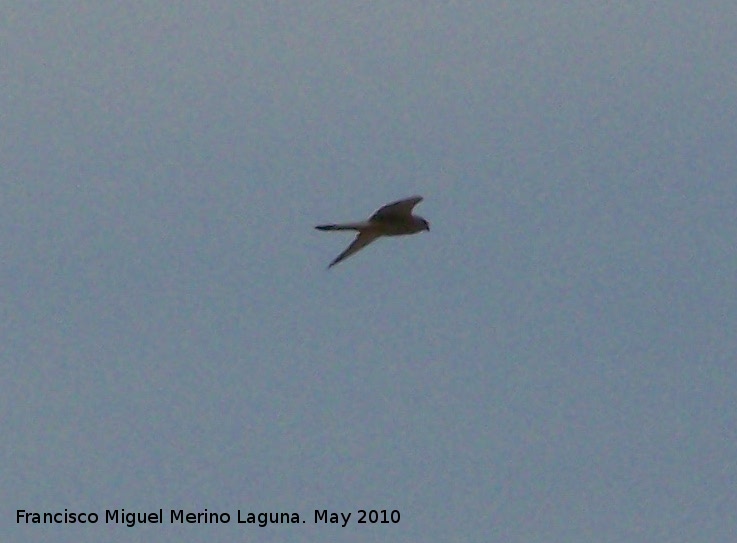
{"points": [[555, 361]]}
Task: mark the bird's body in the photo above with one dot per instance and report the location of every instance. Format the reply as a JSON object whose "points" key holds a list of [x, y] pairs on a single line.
{"points": [[393, 219]]}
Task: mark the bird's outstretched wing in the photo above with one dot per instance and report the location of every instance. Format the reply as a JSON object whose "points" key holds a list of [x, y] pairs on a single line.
{"points": [[401, 208], [362, 239]]}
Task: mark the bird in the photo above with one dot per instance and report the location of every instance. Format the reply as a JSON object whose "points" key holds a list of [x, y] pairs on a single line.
{"points": [[393, 219]]}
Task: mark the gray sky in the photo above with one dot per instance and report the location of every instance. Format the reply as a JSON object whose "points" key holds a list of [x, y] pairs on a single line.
{"points": [[553, 362]]}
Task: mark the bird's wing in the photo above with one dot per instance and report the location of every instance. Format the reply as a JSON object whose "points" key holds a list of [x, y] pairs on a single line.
{"points": [[345, 226], [401, 208], [362, 239]]}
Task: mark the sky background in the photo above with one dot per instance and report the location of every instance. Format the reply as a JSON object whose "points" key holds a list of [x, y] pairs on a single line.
{"points": [[553, 362]]}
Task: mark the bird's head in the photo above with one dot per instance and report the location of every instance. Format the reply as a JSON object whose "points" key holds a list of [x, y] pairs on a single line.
{"points": [[425, 225]]}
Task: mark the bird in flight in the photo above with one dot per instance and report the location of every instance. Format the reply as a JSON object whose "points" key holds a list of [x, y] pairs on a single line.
{"points": [[393, 219]]}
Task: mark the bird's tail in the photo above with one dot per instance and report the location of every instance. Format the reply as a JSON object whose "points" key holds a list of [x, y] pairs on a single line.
{"points": [[346, 226]]}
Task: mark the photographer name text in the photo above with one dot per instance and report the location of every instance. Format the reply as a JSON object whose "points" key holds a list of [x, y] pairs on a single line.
{"points": [[182, 516]]}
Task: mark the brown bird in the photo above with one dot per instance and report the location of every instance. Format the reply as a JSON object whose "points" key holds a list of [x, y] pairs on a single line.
{"points": [[393, 219]]}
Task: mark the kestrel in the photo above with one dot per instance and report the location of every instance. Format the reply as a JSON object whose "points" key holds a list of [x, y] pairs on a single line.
{"points": [[393, 219]]}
